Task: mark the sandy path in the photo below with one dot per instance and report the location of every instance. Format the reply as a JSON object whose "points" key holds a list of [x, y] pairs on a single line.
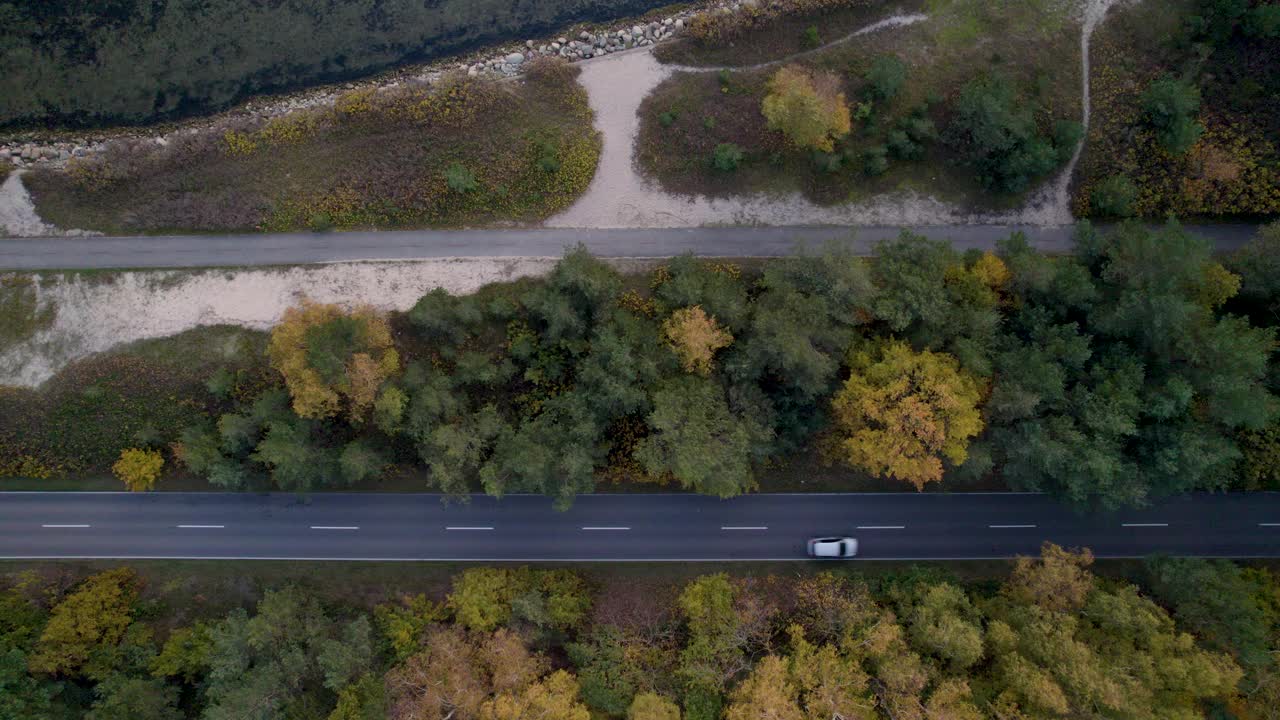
{"points": [[895, 21], [620, 197], [96, 313]]}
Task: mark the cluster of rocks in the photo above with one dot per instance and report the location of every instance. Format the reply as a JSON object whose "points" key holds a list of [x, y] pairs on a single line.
{"points": [[586, 45], [32, 149], [26, 154]]}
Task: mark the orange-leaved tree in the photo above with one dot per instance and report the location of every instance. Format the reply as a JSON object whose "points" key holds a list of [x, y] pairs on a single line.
{"points": [[695, 337], [900, 412], [807, 107], [329, 355]]}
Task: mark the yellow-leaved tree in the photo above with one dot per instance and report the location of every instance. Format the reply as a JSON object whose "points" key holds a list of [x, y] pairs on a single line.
{"points": [[695, 337], [329, 356], [138, 469], [807, 107], [900, 412]]}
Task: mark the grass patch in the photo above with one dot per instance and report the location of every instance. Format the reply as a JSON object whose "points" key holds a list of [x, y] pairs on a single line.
{"points": [[66, 433], [784, 37], [465, 151], [5, 168], [1034, 45], [1233, 170], [21, 313]]}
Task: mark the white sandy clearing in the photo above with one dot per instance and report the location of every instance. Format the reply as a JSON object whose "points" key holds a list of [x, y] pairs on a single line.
{"points": [[620, 197], [96, 313], [18, 216]]}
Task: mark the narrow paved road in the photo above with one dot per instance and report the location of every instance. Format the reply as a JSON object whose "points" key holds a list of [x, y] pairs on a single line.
{"points": [[300, 248], [666, 527]]}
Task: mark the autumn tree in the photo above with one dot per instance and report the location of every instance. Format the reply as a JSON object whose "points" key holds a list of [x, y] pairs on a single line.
{"points": [[695, 337], [808, 107], [555, 696], [651, 706], [333, 360], [94, 616], [768, 692], [901, 412], [1058, 580], [138, 469]]}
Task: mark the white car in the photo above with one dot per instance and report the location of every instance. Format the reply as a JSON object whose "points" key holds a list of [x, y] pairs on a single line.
{"points": [[833, 547]]}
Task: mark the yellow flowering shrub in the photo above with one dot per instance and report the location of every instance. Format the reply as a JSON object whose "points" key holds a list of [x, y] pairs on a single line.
{"points": [[138, 469]]}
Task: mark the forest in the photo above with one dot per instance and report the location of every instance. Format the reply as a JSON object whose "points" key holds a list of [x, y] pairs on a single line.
{"points": [[90, 62], [1136, 367], [1041, 638]]}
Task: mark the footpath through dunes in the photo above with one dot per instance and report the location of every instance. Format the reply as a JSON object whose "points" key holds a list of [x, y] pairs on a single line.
{"points": [[621, 196], [606, 528]]}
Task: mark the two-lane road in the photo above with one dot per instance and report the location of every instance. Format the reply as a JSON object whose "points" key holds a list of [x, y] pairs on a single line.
{"points": [[659, 527]]}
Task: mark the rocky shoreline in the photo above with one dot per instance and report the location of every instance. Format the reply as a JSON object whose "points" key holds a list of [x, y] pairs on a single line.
{"points": [[54, 148]]}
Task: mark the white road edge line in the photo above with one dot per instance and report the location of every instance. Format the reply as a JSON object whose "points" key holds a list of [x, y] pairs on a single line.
{"points": [[459, 527], [743, 527], [335, 527], [1009, 527], [1144, 524], [64, 526], [882, 527], [605, 528], [202, 527]]}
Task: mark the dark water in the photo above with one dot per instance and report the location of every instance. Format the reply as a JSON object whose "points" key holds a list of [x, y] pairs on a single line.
{"points": [[98, 62]]}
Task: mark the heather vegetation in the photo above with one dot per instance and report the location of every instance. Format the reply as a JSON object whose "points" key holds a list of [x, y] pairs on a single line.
{"points": [[1046, 637], [1186, 98], [83, 62], [1135, 368], [977, 103], [465, 150]]}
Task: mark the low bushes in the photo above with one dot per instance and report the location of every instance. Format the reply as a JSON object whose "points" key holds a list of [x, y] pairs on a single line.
{"points": [[719, 27], [467, 150]]}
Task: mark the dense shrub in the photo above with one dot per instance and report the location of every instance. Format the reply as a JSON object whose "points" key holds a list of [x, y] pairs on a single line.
{"points": [[726, 157], [1114, 197], [1171, 106], [807, 107], [885, 77], [997, 132]]}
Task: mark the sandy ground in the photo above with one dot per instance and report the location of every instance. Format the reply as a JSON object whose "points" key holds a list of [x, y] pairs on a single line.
{"points": [[18, 216], [619, 196], [97, 312]]}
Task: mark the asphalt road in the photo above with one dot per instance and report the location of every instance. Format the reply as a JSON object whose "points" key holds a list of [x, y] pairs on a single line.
{"points": [[300, 248], [665, 527]]}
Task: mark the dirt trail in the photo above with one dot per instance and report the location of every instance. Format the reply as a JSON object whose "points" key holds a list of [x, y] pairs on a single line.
{"points": [[895, 21]]}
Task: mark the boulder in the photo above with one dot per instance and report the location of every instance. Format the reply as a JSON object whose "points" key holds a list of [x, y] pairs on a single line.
{"points": [[514, 59]]}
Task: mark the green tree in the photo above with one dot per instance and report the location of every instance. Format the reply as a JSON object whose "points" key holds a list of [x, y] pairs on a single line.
{"points": [[22, 697], [885, 77], [1114, 197], [697, 439], [1171, 106], [996, 130], [364, 699], [767, 692], [121, 698], [947, 625]]}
